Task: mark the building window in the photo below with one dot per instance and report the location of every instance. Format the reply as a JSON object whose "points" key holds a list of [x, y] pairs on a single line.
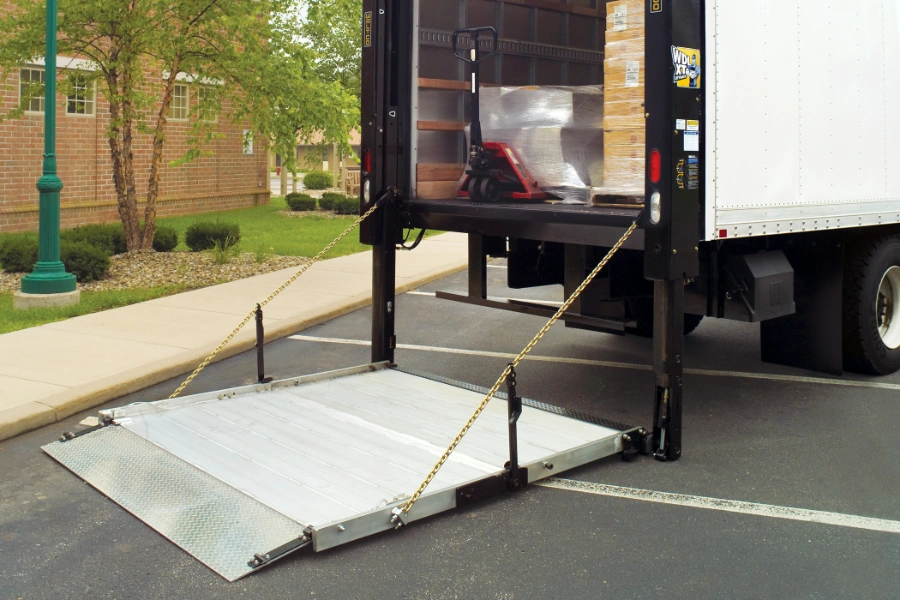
{"points": [[248, 141], [206, 104], [81, 99], [31, 89], [180, 102]]}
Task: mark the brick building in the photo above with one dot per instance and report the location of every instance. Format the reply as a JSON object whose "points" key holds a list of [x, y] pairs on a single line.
{"points": [[233, 176]]}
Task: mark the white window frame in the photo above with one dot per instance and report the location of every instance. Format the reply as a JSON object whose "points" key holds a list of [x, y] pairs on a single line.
{"points": [[215, 116], [185, 110], [41, 97], [247, 140], [92, 101]]}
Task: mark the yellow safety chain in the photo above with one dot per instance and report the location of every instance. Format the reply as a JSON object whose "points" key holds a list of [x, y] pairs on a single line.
{"points": [[271, 297], [399, 519]]}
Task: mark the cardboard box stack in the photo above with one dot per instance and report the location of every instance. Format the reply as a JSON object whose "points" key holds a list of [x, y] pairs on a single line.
{"points": [[623, 121]]}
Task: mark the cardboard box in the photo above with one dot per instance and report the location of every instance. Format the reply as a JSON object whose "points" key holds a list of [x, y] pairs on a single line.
{"points": [[624, 115]]}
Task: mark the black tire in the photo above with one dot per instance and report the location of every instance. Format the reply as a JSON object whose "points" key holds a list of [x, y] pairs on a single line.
{"points": [[489, 190], [474, 190], [867, 264], [641, 310]]}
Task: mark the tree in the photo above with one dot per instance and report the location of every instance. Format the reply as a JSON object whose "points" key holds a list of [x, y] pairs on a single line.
{"points": [[250, 53], [334, 28]]}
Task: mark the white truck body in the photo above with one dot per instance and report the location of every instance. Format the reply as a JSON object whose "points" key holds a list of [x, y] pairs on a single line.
{"points": [[802, 134]]}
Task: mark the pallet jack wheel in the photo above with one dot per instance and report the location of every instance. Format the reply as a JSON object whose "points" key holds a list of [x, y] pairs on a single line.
{"points": [[474, 189], [489, 190]]}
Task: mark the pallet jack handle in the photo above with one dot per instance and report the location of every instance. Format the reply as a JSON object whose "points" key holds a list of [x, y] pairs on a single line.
{"points": [[474, 56]]}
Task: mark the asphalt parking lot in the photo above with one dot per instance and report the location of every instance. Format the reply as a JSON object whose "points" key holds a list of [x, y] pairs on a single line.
{"points": [[769, 437]]}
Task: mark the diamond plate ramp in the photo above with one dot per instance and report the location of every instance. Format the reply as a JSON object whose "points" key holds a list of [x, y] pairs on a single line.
{"points": [[218, 525]]}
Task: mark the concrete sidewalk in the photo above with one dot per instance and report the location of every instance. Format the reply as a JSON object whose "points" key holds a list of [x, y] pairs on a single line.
{"points": [[51, 372]]}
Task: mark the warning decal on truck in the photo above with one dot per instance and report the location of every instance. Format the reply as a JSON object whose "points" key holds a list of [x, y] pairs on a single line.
{"points": [[367, 30], [687, 67]]}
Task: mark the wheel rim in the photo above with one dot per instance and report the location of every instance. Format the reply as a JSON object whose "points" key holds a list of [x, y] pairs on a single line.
{"points": [[886, 308]]}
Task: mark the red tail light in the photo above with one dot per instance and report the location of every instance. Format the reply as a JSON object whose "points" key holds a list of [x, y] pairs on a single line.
{"points": [[655, 166], [367, 160]]}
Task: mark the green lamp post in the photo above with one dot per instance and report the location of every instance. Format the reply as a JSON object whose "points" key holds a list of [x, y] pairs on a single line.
{"points": [[49, 276]]}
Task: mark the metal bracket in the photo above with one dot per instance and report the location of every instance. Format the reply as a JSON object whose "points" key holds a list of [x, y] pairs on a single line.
{"points": [[68, 435], [261, 560], [635, 443], [399, 517], [260, 344], [514, 411], [490, 487]]}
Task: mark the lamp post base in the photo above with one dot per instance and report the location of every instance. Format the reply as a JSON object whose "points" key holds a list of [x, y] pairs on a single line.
{"points": [[48, 278], [23, 301]]}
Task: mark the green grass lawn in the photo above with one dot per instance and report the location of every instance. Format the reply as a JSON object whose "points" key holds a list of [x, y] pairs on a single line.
{"points": [[91, 302], [262, 228]]}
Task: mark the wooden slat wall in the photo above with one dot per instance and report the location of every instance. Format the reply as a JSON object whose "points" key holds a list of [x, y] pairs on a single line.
{"points": [[438, 181], [442, 126], [439, 172]]}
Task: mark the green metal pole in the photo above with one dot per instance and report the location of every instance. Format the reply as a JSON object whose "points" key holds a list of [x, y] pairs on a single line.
{"points": [[49, 275]]}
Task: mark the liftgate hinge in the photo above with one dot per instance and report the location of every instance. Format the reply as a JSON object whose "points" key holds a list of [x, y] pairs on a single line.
{"points": [[261, 560]]}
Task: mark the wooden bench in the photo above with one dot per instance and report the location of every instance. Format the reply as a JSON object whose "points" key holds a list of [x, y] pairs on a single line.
{"points": [[351, 181]]}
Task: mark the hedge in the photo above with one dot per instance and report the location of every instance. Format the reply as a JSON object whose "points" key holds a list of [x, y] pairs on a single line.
{"points": [[203, 235], [85, 261], [328, 199], [110, 238], [346, 206], [318, 180], [300, 202], [166, 239]]}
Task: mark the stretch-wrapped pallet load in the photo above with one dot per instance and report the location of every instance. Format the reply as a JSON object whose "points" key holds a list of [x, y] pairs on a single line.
{"points": [[624, 118], [557, 133]]}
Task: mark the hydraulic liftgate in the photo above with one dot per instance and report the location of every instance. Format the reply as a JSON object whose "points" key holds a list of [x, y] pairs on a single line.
{"points": [[242, 477]]}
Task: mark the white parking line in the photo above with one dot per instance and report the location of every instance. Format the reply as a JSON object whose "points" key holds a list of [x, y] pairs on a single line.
{"points": [[616, 365], [732, 506]]}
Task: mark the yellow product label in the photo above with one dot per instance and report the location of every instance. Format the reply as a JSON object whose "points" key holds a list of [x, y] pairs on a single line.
{"points": [[687, 67], [656, 6]]}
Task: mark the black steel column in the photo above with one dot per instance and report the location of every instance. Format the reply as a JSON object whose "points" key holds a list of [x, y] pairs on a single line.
{"points": [[668, 352], [675, 49], [384, 266], [387, 79]]}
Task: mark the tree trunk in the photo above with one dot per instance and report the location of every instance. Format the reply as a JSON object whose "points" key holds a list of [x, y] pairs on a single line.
{"points": [[126, 203], [159, 138]]}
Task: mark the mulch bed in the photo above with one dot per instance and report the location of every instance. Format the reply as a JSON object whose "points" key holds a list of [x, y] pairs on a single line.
{"points": [[153, 269]]}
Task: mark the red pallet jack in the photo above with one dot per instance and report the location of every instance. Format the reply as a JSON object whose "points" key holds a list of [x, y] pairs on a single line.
{"points": [[495, 170]]}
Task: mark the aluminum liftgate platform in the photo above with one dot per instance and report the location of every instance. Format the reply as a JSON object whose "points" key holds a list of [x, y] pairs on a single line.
{"points": [[242, 477]]}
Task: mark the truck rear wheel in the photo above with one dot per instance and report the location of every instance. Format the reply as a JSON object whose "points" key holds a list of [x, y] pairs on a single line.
{"points": [[871, 325], [641, 310]]}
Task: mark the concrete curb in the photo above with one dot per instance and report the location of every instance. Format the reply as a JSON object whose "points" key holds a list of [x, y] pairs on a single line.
{"points": [[52, 409]]}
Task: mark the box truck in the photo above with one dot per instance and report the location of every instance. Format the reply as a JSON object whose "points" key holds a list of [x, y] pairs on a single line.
{"points": [[754, 143]]}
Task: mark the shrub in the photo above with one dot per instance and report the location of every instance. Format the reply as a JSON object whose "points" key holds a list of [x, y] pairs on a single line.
{"points": [[328, 199], [346, 206], [318, 180], [203, 235], [18, 255], [165, 240], [110, 238], [85, 261], [300, 202]]}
